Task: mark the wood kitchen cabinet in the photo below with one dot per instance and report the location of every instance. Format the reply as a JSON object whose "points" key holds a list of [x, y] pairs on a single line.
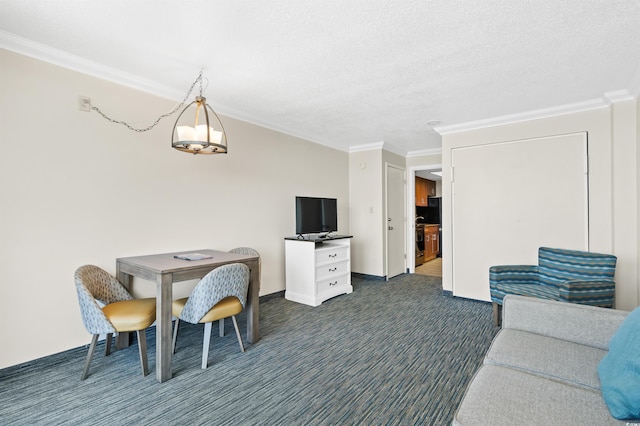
{"points": [[431, 188], [431, 242], [425, 188]]}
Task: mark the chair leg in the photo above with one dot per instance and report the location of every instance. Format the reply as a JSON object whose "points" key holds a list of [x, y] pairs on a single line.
{"points": [[221, 321], [235, 325], [497, 314], [142, 348], [175, 336], [205, 344], [92, 348], [107, 348]]}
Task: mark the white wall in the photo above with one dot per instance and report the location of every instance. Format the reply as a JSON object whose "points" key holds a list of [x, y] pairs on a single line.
{"points": [[613, 188], [366, 211], [367, 208], [77, 189], [625, 201]]}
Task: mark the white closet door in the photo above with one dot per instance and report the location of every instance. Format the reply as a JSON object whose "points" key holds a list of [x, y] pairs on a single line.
{"points": [[510, 198], [396, 221]]}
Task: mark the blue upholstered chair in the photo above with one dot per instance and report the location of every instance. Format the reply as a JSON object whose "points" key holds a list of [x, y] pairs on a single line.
{"points": [[565, 275], [107, 308], [222, 293]]}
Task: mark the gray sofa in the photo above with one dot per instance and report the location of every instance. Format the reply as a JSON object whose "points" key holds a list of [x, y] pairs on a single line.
{"points": [[541, 368]]}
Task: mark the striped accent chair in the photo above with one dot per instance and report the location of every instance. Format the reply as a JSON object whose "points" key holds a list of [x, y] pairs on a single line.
{"points": [[566, 275]]}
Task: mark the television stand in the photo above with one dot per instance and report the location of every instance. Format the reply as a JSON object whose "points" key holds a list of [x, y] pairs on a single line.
{"points": [[318, 237], [317, 268]]}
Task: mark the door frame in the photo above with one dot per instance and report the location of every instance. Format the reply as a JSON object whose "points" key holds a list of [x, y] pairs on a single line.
{"points": [[411, 206]]}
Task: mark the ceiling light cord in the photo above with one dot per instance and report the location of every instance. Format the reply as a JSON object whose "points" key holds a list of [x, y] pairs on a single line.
{"points": [[173, 111]]}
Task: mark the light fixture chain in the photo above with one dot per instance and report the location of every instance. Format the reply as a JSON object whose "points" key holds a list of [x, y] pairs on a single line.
{"points": [[173, 111]]}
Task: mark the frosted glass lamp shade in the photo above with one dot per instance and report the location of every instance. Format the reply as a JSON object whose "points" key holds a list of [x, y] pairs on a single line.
{"points": [[198, 130]]}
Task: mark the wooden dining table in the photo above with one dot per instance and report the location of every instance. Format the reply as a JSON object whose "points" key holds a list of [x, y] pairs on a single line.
{"points": [[165, 269]]}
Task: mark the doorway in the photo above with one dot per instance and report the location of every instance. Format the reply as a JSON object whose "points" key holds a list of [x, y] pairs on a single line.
{"points": [[418, 239]]}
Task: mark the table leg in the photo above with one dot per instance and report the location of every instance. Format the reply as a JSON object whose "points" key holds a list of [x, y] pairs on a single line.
{"points": [[123, 340], [253, 304], [163, 327]]}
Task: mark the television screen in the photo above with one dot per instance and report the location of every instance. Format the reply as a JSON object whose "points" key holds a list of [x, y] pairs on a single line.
{"points": [[316, 215]]}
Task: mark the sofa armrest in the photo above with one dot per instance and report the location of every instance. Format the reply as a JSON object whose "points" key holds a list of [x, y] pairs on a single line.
{"points": [[587, 325], [513, 274], [594, 293]]}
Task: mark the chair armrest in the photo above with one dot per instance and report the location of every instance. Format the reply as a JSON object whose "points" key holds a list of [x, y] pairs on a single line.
{"points": [[586, 325], [595, 293], [513, 274]]}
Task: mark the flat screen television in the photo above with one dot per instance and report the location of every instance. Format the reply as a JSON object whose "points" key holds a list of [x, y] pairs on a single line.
{"points": [[316, 215]]}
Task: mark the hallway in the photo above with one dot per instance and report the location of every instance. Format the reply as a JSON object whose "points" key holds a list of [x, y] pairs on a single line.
{"points": [[432, 268]]}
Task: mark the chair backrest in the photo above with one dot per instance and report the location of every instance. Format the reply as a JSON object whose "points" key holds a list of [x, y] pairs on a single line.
{"points": [[94, 285], [248, 251], [558, 265], [227, 280]]}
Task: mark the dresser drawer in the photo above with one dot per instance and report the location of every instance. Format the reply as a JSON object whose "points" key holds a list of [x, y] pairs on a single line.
{"points": [[332, 254], [332, 270], [332, 283]]}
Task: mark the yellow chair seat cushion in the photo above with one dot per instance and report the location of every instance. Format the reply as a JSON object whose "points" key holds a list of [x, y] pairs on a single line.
{"points": [[131, 315], [225, 308]]}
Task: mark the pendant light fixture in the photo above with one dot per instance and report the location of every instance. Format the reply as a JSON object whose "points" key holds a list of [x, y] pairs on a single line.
{"points": [[198, 129]]}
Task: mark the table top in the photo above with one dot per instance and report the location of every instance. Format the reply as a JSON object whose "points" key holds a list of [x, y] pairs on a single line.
{"points": [[167, 263]]}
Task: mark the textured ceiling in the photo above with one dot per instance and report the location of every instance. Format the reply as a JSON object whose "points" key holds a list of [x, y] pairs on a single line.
{"points": [[351, 72]]}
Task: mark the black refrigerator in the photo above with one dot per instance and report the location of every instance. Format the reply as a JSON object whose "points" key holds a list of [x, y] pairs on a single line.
{"points": [[432, 214]]}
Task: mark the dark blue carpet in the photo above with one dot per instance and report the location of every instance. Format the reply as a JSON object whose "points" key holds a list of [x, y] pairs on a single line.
{"points": [[391, 353]]}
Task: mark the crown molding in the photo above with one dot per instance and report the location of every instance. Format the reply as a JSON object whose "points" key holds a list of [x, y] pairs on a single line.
{"points": [[67, 60], [618, 96], [525, 116], [424, 152], [386, 146], [366, 147], [607, 99]]}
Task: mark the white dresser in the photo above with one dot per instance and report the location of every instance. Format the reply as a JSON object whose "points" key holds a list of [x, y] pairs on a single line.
{"points": [[317, 269]]}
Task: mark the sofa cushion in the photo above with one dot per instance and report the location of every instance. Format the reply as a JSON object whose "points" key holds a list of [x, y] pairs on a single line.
{"points": [[587, 325], [619, 371], [503, 396], [557, 359]]}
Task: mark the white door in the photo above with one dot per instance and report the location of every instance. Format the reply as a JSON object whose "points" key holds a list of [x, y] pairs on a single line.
{"points": [[396, 221], [510, 198]]}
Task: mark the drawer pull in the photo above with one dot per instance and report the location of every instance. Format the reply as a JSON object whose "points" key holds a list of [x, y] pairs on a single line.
{"points": [[333, 255], [333, 269], [333, 283]]}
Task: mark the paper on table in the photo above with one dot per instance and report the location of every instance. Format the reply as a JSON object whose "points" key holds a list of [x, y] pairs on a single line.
{"points": [[193, 256]]}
